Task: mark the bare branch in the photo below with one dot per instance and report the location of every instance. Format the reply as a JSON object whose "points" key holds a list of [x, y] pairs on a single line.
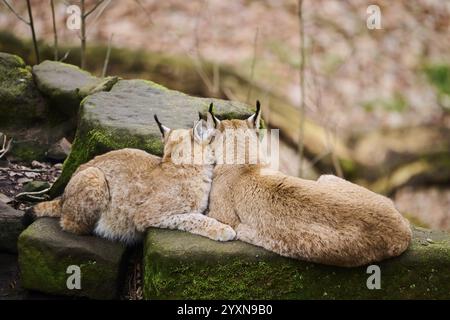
{"points": [[252, 70], [302, 86], [100, 12], [108, 53], [93, 9], [33, 33], [83, 35], [35, 195], [65, 56], [5, 146], [55, 33], [148, 13], [15, 13]]}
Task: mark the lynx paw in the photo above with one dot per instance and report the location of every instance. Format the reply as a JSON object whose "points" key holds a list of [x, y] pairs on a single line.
{"points": [[225, 233]]}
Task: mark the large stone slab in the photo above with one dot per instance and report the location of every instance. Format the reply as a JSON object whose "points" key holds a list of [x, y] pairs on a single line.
{"points": [[45, 253], [11, 225], [66, 85], [179, 265], [123, 117]]}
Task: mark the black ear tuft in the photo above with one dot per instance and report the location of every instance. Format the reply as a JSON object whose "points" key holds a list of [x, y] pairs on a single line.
{"points": [[256, 119], [160, 126], [200, 117], [210, 110]]}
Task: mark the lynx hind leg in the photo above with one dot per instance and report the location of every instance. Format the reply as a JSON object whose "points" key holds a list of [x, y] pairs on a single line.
{"points": [[195, 223], [85, 198]]}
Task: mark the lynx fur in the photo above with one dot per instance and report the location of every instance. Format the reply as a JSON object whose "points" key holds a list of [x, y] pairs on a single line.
{"points": [[329, 221], [118, 195]]}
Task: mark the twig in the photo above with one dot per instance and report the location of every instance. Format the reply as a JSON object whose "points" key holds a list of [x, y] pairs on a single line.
{"points": [[83, 35], [252, 70], [30, 23], [302, 87], [83, 17], [25, 170], [55, 33], [5, 146], [15, 13], [102, 9], [198, 60], [64, 56], [34, 194], [149, 14], [108, 53], [33, 33], [93, 9]]}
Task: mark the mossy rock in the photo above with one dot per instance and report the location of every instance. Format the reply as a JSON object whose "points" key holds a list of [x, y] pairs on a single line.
{"points": [[66, 85], [45, 253], [123, 118], [23, 110], [20, 101], [179, 265]]}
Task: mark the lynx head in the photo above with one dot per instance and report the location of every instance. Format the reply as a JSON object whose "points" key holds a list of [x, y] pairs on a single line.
{"points": [[188, 146], [237, 141]]}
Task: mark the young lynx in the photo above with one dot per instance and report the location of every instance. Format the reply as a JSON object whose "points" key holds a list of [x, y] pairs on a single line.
{"points": [[120, 194], [329, 221]]}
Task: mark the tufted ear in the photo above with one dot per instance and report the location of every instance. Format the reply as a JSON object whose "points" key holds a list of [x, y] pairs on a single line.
{"points": [[254, 120], [202, 133], [164, 130], [211, 118]]}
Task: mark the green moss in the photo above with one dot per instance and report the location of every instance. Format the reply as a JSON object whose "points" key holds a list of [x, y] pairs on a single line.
{"points": [[178, 265], [415, 220], [20, 102], [44, 264], [350, 168], [28, 151], [439, 76], [44, 271], [397, 103]]}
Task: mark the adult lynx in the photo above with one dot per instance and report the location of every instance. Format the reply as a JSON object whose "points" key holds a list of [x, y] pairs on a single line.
{"points": [[118, 195], [329, 221]]}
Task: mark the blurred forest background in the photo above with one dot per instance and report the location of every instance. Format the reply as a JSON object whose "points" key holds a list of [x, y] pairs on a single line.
{"points": [[377, 102]]}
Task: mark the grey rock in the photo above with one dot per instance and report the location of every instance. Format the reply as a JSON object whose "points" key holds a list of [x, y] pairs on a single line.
{"points": [[60, 150], [45, 253], [11, 225], [37, 185], [4, 198], [66, 85], [123, 118]]}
